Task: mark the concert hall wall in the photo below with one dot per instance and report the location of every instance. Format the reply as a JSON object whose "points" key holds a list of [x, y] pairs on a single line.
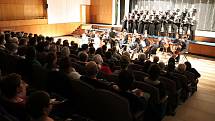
{"points": [[31, 16], [22, 9], [101, 11], [205, 8]]}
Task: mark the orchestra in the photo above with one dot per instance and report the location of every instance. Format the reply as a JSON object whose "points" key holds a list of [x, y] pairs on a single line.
{"points": [[135, 43]]}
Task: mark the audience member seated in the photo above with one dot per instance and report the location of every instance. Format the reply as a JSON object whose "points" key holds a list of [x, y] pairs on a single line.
{"points": [[155, 60], [92, 70], [51, 62], [14, 40], [13, 95], [104, 69], [100, 52], [31, 56], [162, 66], [154, 73], [116, 54], [67, 68], [127, 54], [146, 66], [58, 45], [104, 49], [12, 48], [2, 41], [171, 65], [141, 59], [135, 97], [192, 70], [124, 62], [83, 57], [91, 53], [21, 51], [65, 52], [181, 68], [38, 106], [110, 60], [84, 49], [74, 49], [32, 41]]}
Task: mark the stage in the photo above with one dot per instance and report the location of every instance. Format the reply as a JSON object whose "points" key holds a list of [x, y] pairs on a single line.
{"points": [[202, 45]]}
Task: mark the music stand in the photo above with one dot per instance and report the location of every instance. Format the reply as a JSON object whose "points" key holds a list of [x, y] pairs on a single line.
{"points": [[185, 54], [186, 51]]}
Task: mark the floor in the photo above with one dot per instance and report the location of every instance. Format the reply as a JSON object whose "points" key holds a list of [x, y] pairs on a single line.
{"points": [[201, 106]]}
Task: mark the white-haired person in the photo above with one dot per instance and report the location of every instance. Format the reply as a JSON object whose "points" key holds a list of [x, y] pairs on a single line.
{"points": [[104, 69]]}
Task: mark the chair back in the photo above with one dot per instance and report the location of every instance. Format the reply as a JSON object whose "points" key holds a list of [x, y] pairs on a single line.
{"points": [[135, 67], [153, 91], [111, 107], [39, 77], [59, 83], [84, 96], [139, 76], [112, 78]]}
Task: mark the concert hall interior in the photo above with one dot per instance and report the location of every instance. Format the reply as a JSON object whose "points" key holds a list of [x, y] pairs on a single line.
{"points": [[107, 60]]}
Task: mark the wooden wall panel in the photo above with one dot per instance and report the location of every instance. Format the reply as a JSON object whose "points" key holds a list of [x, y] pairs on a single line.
{"points": [[205, 39], [39, 26], [88, 14], [22, 9], [202, 49], [5, 24], [101, 11]]}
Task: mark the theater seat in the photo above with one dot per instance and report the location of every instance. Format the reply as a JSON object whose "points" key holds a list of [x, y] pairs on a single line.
{"points": [[111, 107], [139, 76]]}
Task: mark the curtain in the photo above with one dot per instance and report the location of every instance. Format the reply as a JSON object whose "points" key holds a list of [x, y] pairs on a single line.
{"points": [[205, 8]]}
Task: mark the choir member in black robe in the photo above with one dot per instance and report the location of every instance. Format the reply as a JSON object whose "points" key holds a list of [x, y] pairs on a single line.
{"points": [[131, 24], [124, 23], [141, 25]]}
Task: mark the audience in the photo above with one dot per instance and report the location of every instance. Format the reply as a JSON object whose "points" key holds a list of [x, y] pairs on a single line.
{"points": [[85, 64]]}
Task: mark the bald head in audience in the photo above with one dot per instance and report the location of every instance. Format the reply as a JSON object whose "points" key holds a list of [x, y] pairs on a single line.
{"points": [[91, 69]]}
